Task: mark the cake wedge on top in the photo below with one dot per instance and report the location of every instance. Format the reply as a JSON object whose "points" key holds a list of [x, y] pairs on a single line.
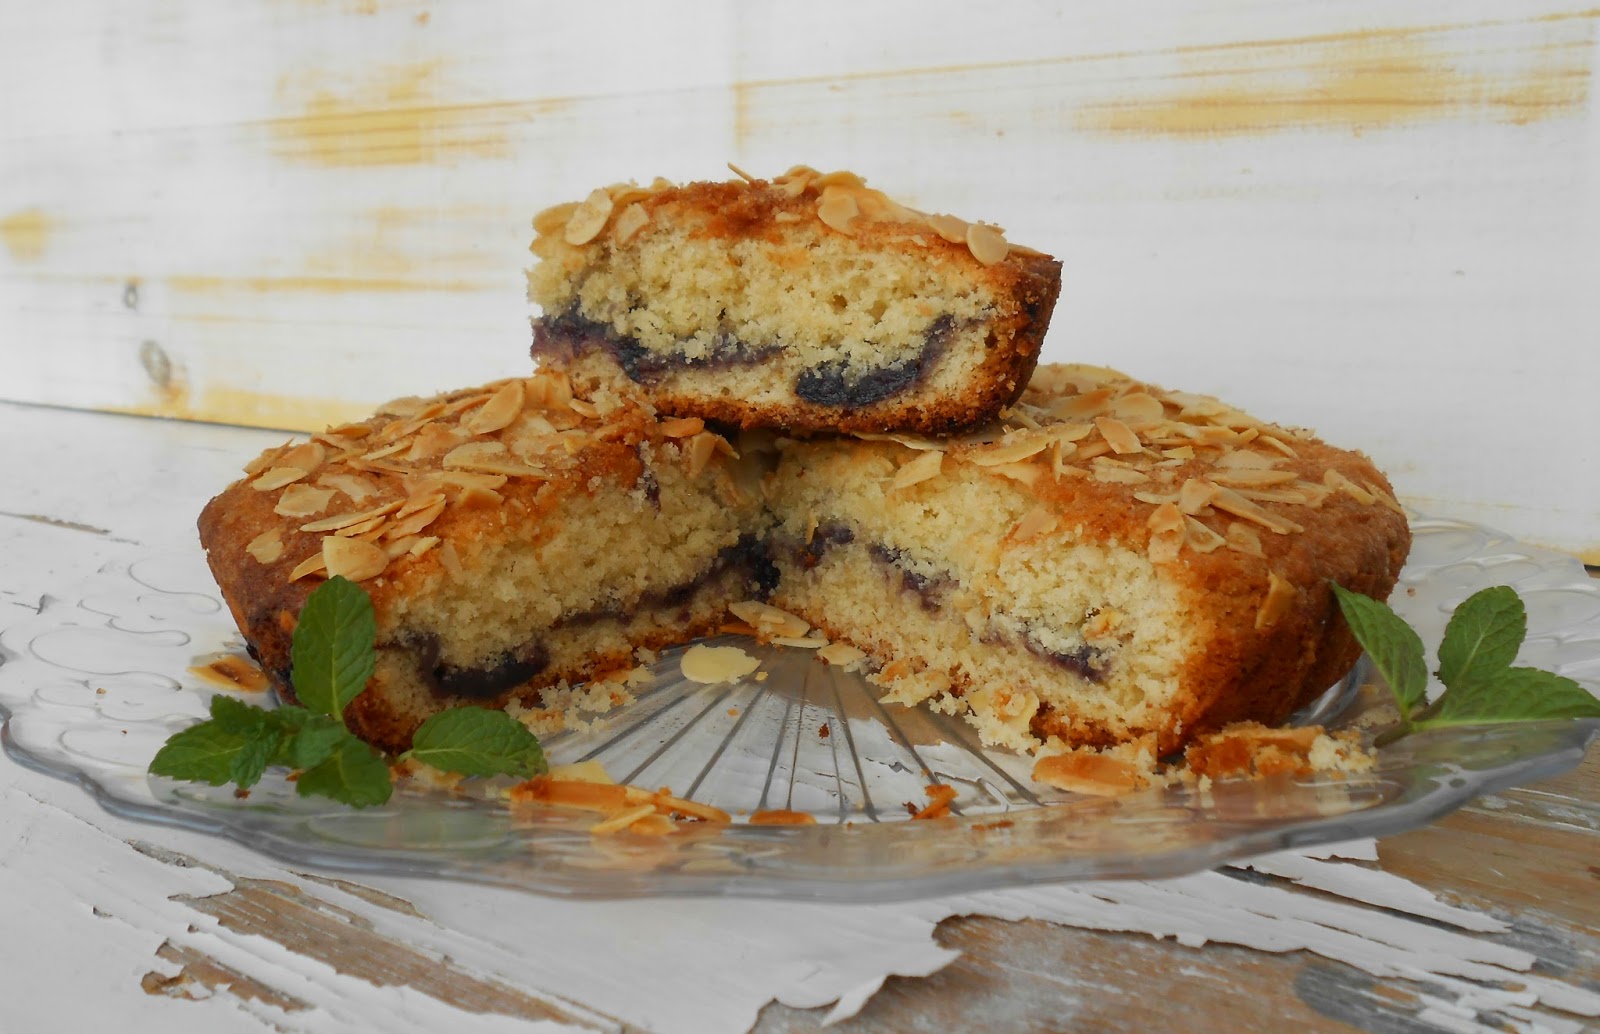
{"points": [[808, 303]]}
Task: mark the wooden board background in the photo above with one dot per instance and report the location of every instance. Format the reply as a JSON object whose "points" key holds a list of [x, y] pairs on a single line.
{"points": [[1378, 219]]}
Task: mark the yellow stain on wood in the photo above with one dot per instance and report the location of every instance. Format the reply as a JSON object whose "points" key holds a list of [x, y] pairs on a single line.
{"points": [[1516, 74], [26, 234], [396, 244], [223, 405], [388, 118], [318, 284]]}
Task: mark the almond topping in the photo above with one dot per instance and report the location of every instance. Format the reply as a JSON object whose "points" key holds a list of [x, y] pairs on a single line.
{"points": [[1281, 595], [838, 209], [554, 218], [924, 466], [1200, 538], [768, 619], [345, 520], [1037, 521], [589, 218], [951, 228], [1138, 408], [353, 558], [310, 565], [1008, 450], [266, 547], [1339, 483], [712, 664], [502, 408], [987, 244], [277, 477], [414, 522], [450, 559], [682, 426], [355, 486], [1085, 773], [1243, 539], [308, 456], [1165, 518], [265, 460], [622, 820], [841, 655], [1118, 435], [631, 220], [1236, 504], [302, 501], [699, 452], [1196, 495], [1027, 473], [1251, 478]]}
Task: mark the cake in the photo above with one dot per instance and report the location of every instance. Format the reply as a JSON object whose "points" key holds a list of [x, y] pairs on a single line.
{"points": [[511, 537], [1110, 564], [1107, 565], [808, 303]]}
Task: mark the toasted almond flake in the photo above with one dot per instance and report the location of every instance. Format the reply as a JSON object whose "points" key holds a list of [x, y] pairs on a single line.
{"points": [[1086, 773], [1252, 478], [780, 817], [310, 565], [424, 544], [353, 558], [628, 224], [345, 520], [1243, 539], [1276, 443], [502, 408], [365, 529], [1027, 473], [266, 459], [589, 218], [387, 450], [838, 209], [1092, 450], [355, 486], [421, 500], [431, 441], [923, 467], [1118, 435], [951, 228], [1384, 499], [1088, 404], [1138, 408], [841, 655], [699, 452], [277, 477], [414, 522], [1037, 521], [584, 408], [1339, 483], [800, 643], [1280, 596], [1182, 452], [398, 548], [1196, 495], [622, 820], [681, 426], [987, 244], [1301, 493], [300, 500], [769, 619], [1200, 538], [1165, 518], [554, 218], [713, 664], [1236, 504], [663, 800], [266, 547], [308, 456], [1118, 475], [591, 771], [450, 559], [1156, 498], [1009, 449]]}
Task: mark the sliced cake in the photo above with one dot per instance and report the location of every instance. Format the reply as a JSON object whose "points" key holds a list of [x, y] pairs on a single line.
{"points": [[808, 303], [510, 537], [1112, 563]]}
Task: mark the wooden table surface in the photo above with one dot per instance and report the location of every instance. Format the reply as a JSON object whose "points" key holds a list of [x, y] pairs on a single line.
{"points": [[77, 487]]}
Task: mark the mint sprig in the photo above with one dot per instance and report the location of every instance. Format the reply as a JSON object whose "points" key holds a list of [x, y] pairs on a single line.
{"points": [[334, 654], [1481, 687]]}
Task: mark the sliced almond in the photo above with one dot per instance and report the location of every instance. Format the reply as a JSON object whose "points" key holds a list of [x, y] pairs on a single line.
{"points": [[838, 209], [1087, 773], [266, 547], [1339, 483], [355, 486], [502, 408], [699, 451], [987, 244], [1200, 538], [1239, 506], [1027, 473], [414, 522], [1010, 449], [681, 426], [769, 619], [712, 664], [277, 477], [1118, 435], [1196, 495], [951, 228], [353, 558], [308, 456], [841, 655], [1138, 408], [1280, 597], [1252, 478], [310, 565], [345, 520], [1037, 521], [554, 218], [1117, 474], [300, 500], [1243, 539], [622, 820], [629, 222], [589, 218], [923, 467]]}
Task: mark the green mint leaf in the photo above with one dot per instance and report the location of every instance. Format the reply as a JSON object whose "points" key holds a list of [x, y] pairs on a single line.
{"points": [[239, 717], [202, 753], [253, 757], [333, 646], [1392, 645], [1512, 695], [314, 742], [1483, 636], [353, 774], [476, 741]]}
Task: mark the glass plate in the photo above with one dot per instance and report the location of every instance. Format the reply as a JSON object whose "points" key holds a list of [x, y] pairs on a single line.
{"points": [[99, 679]]}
